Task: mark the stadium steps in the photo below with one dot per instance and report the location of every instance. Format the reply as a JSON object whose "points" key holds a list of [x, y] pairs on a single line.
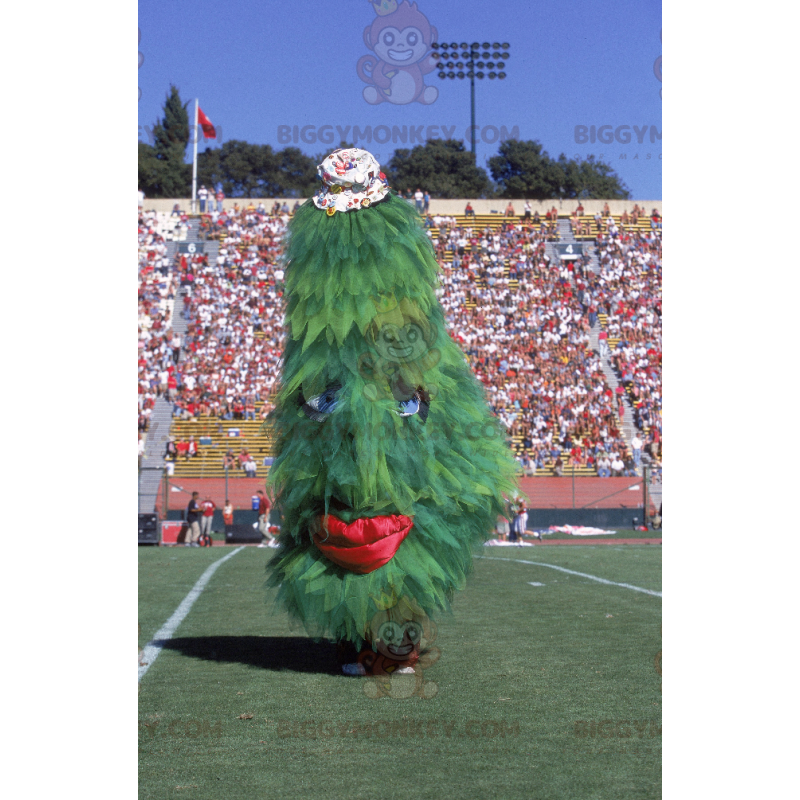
{"points": [[179, 323], [630, 402], [594, 261], [153, 460], [613, 341], [193, 234], [627, 427], [212, 251], [565, 230]]}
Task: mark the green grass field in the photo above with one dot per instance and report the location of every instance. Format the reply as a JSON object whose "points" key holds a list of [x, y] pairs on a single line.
{"points": [[542, 691]]}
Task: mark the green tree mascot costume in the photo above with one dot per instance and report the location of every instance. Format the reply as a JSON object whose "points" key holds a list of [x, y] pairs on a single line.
{"points": [[389, 465]]}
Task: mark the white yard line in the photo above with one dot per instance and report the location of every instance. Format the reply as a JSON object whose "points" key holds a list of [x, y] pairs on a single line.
{"points": [[572, 572], [156, 644]]}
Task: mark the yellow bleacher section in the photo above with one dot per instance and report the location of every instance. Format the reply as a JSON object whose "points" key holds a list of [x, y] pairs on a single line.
{"points": [[208, 461], [589, 228]]}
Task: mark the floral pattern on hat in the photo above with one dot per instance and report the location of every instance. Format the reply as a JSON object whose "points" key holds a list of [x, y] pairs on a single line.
{"points": [[351, 179]]}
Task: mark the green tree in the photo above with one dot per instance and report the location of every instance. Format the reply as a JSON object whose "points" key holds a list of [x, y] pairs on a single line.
{"points": [[442, 166], [243, 169], [162, 166], [149, 170], [256, 170], [592, 179], [525, 170], [298, 171]]}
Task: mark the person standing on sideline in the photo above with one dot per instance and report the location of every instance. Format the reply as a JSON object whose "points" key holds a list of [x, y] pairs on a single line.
{"points": [[202, 194], [263, 519], [209, 507], [519, 525], [193, 513], [419, 199], [227, 517]]}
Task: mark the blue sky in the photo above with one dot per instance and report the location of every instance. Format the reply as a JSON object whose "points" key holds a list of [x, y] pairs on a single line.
{"points": [[259, 66]]}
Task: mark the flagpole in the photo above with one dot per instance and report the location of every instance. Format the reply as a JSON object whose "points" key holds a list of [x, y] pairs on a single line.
{"points": [[194, 158]]}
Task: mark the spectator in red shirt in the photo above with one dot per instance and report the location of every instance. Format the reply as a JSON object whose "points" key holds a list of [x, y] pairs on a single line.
{"points": [[208, 507]]}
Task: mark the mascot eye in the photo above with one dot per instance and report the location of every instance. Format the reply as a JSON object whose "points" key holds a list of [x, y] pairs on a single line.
{"points": [[413, 631], [322, 405], [407, 408], [412, 333], [412, 39], [391, 633], [418, 404], [388, 38]]}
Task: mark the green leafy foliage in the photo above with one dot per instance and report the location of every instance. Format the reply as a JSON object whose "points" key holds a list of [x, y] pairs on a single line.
{"points": [[443, 167], [162, 171], [256, 170], [525, 170], [355, 281]]}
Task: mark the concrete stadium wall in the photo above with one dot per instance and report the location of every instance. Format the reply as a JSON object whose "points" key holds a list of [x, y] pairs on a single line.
{"points": [[617, 518], [448, 207]]}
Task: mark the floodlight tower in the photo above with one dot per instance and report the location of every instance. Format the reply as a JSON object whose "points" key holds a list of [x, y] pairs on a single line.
{"points": [[470, 55]]}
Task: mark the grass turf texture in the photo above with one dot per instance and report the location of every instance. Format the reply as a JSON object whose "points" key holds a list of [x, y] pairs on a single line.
{"points": [[524, 670]]}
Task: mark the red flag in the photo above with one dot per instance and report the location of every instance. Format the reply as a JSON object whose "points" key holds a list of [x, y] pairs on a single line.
{"points": [[205, 124]]}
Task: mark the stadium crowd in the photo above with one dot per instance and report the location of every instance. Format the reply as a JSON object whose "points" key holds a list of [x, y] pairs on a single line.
{"points": [[158, 347], [232, 307], [523, 319], [628, 290], [526, 331]]}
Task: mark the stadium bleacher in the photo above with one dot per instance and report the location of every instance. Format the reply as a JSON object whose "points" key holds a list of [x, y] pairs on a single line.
{"points": [[519, 312]]}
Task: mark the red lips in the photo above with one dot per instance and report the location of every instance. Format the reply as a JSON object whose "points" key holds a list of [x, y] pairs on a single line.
{"points": [[365, 544]]}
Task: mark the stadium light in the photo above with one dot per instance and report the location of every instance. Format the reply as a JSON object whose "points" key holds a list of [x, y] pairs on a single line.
{"points": [[454, 58]]}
